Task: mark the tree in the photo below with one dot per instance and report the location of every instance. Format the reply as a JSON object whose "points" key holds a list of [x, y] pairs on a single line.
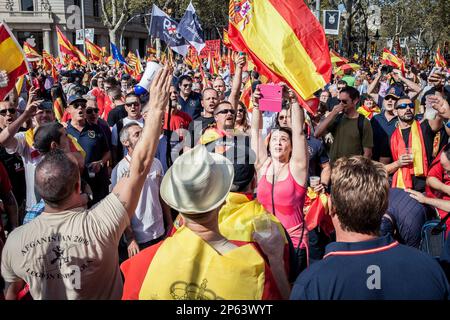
{"points": [[114, 14]]}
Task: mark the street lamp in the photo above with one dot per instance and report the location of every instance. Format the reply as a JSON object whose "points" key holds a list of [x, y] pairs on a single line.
{"points": [[129, 20]]}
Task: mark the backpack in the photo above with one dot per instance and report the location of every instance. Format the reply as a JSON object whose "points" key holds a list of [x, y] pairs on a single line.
{"points": [[360, 126], [433, 236]]}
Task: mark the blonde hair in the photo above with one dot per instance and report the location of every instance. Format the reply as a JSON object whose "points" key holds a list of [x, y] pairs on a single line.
{"points": [[359, 194]]}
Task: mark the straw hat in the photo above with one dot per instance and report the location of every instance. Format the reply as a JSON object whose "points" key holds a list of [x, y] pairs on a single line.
{"points": [[198, 181]]}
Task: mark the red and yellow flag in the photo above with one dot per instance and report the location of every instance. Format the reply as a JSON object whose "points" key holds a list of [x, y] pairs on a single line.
{"points": [[284, 40], [336, 59], [439, 59], [58, 108], [67, 48], [30, 53], [226, 39], [94, 51], [13, 59], [390, 59], [403, 177]]}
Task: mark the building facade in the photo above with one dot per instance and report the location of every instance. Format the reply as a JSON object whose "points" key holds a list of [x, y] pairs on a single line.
{"points": [[35, 21]]}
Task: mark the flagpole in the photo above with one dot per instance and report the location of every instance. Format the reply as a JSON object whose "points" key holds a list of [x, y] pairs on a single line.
{"points": [[83, 27]]}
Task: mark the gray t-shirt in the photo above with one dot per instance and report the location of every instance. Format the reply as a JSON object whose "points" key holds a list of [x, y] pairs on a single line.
{"points": [[69, 255]]}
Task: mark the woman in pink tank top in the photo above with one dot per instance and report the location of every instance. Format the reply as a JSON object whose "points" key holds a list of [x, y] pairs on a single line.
{"points": [[282, 169]]}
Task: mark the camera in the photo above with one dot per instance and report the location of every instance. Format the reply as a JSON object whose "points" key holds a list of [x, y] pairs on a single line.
{"points": [[386, 69]]}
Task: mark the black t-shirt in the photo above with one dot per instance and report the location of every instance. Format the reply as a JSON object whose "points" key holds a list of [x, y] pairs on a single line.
{"points": [[197, 126], [16, 173], [116, 114], [332, 102]]}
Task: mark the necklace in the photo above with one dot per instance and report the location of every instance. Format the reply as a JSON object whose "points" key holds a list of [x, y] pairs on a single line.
{"points": [[275, 176]]}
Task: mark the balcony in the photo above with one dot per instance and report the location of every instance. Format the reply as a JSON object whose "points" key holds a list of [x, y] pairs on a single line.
{"points": [[27, 17]]}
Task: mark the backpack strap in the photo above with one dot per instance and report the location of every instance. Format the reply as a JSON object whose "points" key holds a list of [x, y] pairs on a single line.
{"points": [[119, 153]]}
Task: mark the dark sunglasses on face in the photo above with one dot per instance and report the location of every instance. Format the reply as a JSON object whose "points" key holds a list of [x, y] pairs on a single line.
{"points": [[10, 110], [241, 110], [132, 104], [91, 110], [281, 118], [389, 98], [225, 111], [187, 85], [77, 105], [343, 101], [405, 105]]}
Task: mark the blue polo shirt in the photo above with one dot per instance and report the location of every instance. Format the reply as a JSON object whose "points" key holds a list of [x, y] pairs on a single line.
{"points": [[378, 269], [382, 131], [91, 139], [192, 105], [317, 155]]}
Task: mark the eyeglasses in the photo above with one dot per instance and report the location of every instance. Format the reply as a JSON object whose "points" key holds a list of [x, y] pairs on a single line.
{"points": [[91, 110], [405, 105], [389, 98], [10, 110], [340, 88], [130, 104], [241, 110], [187, 85], [225, 111], [343, 101], [281, 118]]}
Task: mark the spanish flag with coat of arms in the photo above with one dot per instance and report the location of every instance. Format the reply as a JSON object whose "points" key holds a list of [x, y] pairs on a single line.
{"points": [[284, 40], [12, 60]]}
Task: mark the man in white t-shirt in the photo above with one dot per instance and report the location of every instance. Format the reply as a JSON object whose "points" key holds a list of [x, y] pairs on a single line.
{"points": [[133, 108], [69, 252], [147, 224]]}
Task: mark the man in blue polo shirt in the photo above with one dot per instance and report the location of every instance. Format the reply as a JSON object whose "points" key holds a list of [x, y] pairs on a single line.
{"points": [[93, 141], [189, 100], [361, 264]]}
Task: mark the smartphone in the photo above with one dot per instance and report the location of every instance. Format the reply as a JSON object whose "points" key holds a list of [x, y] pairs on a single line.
{"points": [[271, 97]]}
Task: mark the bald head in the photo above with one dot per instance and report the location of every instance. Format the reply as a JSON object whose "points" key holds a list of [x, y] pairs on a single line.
{"points": [[56, 178]]}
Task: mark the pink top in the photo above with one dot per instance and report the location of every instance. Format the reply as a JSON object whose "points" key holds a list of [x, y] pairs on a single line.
{"points": [[289, 199]]}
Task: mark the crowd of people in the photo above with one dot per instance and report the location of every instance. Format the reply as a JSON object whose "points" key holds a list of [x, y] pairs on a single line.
{"points": [[188, 192]]}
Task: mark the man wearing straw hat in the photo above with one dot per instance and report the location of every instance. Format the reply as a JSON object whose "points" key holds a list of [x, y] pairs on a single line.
{"points": [[197, 262]]}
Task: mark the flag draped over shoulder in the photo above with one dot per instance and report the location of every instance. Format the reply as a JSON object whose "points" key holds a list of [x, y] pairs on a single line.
{"points": [[165, 28], [12, 60], [284, 40], [191, 29]]}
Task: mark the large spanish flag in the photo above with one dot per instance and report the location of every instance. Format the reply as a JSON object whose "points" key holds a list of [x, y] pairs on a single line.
{"points": [[284, 40], [12, 60], [67, 48], [94, 51], [390, 59]]}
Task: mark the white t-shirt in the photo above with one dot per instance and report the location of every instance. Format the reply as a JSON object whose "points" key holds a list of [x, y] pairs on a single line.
{"points": [[30, 157], [69, 255], [148, 221]]}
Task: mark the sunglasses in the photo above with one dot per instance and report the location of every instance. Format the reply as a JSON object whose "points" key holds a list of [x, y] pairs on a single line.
{"points": [[92, 110], [187, 85], [241, 110], [225, 111], [343, 101], [78, 105], [389, 98], [10, 110], [281, 118], [131, 104], [405, 105]]}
